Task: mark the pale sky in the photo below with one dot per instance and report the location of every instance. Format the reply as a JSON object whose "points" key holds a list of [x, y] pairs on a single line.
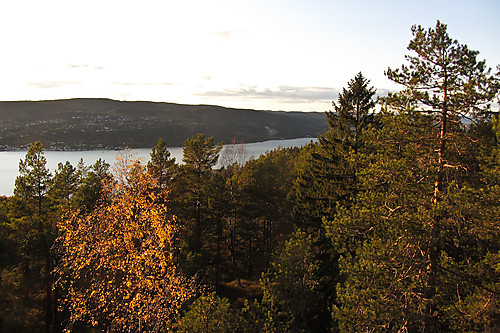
{"points": [[261, 54]]}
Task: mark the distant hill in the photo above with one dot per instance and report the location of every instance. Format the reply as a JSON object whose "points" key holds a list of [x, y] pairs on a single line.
{"points": [[83, 123]]}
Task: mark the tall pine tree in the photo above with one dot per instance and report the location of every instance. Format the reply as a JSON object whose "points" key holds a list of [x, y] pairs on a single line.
{"points": [[417, 244], [31, 207], [200, 155]]}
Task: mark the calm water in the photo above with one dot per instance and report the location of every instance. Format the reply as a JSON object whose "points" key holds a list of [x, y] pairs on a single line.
{"points": [[9, 160]]}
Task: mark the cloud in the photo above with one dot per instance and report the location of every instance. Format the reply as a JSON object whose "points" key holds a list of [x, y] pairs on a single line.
{"points": [[53, 84], [224, 34], [79, 66], [306, 98], [134, 84], [286, 94], [228, 34]]}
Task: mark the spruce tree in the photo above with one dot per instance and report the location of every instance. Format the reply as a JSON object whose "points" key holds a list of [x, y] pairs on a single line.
{"points": [[353, 112], [327, 179], [330, 178]]}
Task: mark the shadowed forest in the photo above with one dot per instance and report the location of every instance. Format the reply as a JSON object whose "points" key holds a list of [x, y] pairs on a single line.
{"points": [[97, 123], [390, 222]]}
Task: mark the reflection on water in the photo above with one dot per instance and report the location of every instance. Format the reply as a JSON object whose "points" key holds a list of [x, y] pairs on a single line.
{"points": [[9, 160]]}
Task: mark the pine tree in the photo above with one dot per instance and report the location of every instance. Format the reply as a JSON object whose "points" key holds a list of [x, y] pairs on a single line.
{"points": [[265, 213], [32, 183], [417, 245], [210, 314], [444, 79], [92, 181], [291, 285], [200, 155], [31, 208], [161, 165], [64, 184]]}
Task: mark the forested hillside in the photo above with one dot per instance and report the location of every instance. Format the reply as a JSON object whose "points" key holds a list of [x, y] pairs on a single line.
{"points": [[389, 223], [81, 124]]}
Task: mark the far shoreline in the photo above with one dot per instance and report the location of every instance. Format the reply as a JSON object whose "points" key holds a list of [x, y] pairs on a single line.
{"points": [[9, 165], [18, 150]]}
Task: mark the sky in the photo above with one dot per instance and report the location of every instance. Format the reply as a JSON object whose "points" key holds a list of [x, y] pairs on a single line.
{"points": [[262, 54]]}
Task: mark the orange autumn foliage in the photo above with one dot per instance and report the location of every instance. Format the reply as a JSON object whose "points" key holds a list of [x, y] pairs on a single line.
{"points": [[117, 261]]}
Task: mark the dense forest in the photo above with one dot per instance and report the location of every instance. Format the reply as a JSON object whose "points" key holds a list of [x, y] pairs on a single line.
{"points": [[97, 123], [390, 222]]}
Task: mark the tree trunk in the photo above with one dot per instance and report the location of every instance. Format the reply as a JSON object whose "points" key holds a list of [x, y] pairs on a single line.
{"points": [[433, 249]]}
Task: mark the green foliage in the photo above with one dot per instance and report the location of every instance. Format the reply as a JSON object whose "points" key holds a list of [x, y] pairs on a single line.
{"points": [[192, 193], [328, 182], [390, 222], [13, 309], [443, 76], [67, 124], [380, 237], [161, 165], [31, 185], [265, 209], [64, 184], [446, 80], [32, 232], [330, 175], [291, 285], [210, 314], [201, 154], [352, 112], [416, 244], [90, 189], [403, 254]]}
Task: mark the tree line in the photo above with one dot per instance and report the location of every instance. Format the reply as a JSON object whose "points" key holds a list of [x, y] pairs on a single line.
{"points": [[389, 222]]}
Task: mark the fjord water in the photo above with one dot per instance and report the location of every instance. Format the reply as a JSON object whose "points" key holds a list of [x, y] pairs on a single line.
{"points": [[9, 160]]}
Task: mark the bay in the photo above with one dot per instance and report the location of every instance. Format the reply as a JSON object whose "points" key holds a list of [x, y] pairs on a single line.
{"points": [[9, 160]]}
